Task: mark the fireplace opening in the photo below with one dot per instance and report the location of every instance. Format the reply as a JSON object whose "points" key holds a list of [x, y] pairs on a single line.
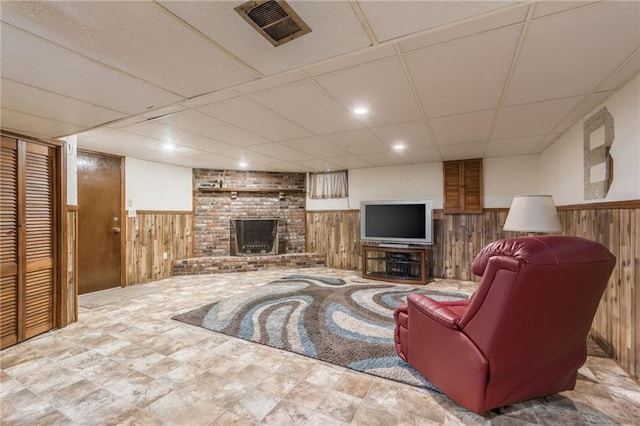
{"points": [[254, 236]]}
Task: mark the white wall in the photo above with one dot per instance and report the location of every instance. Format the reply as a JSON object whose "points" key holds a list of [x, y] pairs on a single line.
{"points": [[157, 186], [562, 167], [503, 179], [71, 150], [414, 182], [506, 177]]}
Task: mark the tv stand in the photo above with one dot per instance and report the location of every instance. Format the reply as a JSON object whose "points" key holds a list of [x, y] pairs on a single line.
{"points": [[394, 245], [394, 264]]}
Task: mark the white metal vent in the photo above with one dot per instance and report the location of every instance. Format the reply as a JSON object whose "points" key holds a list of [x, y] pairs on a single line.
{"points": [[274, 19]]}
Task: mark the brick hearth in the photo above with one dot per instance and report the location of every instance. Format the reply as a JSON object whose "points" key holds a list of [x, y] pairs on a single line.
{"points": [[218, 264]]}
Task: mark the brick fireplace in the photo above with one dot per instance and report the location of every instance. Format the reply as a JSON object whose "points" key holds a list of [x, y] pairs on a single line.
{"points": [[224, 197]]}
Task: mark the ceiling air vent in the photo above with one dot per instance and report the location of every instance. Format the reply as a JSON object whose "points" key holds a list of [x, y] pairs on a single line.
{"points": [[275, 20]]}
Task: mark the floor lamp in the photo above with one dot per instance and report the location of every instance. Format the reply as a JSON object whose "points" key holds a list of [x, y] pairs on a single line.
{"points": [[533, 214]]}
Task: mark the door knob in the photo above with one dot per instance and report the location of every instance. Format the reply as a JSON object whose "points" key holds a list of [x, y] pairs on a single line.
{"points": [[115, 230]]}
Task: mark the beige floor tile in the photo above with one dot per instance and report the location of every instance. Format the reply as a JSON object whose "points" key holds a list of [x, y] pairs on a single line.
{"points": [[129, 363]]}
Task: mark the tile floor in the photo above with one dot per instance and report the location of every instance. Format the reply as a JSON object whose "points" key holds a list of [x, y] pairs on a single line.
{"points": [[128, 363]]}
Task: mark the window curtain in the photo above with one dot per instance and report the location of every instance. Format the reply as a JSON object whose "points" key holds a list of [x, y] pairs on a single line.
{"points": [[329, 185]]}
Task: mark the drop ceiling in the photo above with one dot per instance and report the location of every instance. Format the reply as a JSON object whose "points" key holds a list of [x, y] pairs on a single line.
{"points": [[447, 80]]}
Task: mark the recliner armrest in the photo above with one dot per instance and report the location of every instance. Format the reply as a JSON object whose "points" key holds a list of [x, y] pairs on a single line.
{"points": [[437, 311]]}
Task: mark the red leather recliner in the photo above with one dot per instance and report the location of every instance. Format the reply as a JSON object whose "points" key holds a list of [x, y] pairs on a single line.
{"points": [[522, 334]]}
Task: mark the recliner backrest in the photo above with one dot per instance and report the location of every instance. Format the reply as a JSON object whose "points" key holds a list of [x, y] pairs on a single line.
{"points": [[536, 292]]}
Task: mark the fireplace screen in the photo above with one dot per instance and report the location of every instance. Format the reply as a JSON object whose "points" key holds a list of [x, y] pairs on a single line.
{"points": [[255, 236]]}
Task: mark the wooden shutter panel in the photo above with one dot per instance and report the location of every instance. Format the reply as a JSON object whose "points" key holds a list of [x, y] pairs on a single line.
{"points": [[473, 186], [39, 250], [453, 194], [9, 301]]}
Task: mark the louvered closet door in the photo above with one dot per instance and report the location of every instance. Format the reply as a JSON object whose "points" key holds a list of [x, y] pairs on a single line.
{"points": [[27, 235], [9, 302], [39, 225]]}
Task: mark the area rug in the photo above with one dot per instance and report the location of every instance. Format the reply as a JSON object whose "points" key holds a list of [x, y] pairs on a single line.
{"points": [[345, 323]]}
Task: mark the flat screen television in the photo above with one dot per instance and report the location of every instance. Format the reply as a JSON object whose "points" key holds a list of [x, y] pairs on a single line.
{"points": [[397, 222]]}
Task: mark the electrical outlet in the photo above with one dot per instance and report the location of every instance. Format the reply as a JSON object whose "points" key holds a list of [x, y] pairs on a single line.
{"points": [[164, 255]]}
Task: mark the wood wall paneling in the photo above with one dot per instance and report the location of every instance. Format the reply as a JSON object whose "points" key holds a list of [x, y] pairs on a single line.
{"points": [[336, 234], [71, 280], [149, 236]]}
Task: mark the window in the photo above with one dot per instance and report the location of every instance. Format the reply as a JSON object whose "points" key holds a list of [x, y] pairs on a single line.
{"points": [[329, 185]]}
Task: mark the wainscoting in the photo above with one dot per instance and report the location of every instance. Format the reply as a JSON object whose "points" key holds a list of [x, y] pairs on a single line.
{"points": [[459, 238], [337, 234], [617, 323], [71, 281], [151, 234]]}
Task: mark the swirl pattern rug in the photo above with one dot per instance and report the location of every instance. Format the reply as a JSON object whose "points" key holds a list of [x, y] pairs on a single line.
{"points": [[345, 323]]}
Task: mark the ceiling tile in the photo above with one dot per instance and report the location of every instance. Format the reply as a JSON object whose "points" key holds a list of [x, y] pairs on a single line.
{"points": [[587, 104], [544, 8], [349, 162], [462, 128], [202, 124], [464, 75], [544, 143], [316, 147], [307, 106], [280, 151], [620, 76], [532, 119], [162, 111], [35, 126], [30, 100], [513, 146], [116, 141], [382, 159], [577, 37], [412, 134], [256, 159], [24, 57], [317, 165], [357, 141], [247, 114], [371, 54], [392, 19], [271, 82], [335, 30], [180, 137], [209, 98], [214, 161], [138, 37], [418, 155], [499, 19], [127, 122], [379, 86], [462, 151]]}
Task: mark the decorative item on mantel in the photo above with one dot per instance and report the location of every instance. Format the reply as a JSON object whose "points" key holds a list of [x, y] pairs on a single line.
{"points": [[533, 214]]}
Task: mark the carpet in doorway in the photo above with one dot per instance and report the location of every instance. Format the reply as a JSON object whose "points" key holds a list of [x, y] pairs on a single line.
{"points": [[345, 323]]}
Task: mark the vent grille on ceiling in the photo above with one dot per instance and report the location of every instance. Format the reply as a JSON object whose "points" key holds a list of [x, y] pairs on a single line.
{"points": [[275, 20]]}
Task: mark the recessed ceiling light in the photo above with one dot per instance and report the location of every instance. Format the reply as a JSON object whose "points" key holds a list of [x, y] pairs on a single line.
{"points": [[169, 146], [399, 147], [243, 164], [360, 111]]}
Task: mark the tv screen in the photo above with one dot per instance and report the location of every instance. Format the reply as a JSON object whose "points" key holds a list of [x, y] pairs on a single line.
{"points": [[404, 222]]}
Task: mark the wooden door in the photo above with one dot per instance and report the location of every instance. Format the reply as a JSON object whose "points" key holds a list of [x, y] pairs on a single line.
{"points": [[27, 234], [99, 222]]}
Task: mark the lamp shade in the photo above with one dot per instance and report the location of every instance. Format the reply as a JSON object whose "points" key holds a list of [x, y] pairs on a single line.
{"points": [[533, 213]]}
